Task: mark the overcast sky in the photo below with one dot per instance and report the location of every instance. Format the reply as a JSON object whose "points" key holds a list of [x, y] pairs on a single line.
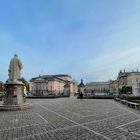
{"points": [[89, 39]]}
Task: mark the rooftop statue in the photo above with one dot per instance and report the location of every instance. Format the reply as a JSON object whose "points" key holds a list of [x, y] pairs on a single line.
{"points": [[15, 68]]}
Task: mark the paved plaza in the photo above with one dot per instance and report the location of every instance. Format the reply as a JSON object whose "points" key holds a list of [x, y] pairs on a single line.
{"points": [[71, 119]]}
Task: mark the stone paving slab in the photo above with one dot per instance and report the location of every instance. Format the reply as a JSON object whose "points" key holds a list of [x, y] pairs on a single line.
{"points": [[71, 119]]}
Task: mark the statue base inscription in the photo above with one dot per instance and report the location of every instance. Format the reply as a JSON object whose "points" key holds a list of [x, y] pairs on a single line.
{"points": [[14, 98]]}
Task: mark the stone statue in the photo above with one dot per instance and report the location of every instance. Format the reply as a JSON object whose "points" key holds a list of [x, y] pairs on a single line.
{"points": [[14, 98], [15, 69]]}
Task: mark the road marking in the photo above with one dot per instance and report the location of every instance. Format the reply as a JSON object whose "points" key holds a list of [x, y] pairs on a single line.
{"points": [[127, 123], [96, 132], [127, 109], [107, 118], [84, 116], [57, 114], [74, 122], [42, 118], [64, 128], [77, 124], [48, 131], [97, 114], [130, 131], [77, 114]]}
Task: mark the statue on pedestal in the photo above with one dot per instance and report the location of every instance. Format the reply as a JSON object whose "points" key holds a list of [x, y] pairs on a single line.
{"points": [[15, 68], [14, 98]]}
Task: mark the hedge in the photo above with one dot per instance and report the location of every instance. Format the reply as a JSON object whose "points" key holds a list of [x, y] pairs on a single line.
{"points": [[129, 97], [45, 97], [98, 97]]}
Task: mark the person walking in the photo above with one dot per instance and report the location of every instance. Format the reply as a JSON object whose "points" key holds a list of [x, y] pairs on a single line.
{"points": [[81, 95]]}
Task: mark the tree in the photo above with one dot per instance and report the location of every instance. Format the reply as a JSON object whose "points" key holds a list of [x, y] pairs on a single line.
{"points": [[126, 90], [25, 82]]}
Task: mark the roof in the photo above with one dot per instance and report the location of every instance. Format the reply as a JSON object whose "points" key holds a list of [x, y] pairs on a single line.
{"points": [[50, 77], [57, 75], [81, 84], [125, 74], [97, 83], [62, 75]]}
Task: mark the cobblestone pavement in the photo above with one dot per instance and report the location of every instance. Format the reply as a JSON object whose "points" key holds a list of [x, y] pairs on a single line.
{"points": [[71, 119]]}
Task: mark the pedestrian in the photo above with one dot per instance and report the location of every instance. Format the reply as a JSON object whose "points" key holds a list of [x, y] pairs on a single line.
{"points": [[81, 95], [78, 96]]}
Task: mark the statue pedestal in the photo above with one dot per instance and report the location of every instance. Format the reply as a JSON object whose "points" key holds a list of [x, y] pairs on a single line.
{"points": [[14, 98]]}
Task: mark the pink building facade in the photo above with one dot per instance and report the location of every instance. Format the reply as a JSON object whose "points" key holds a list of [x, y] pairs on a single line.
{"points": [[44, 85]]}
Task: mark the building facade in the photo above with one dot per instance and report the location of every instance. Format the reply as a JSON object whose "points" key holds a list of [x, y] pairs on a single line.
{"points": [[133, 80], [44, 85], [97, 87], [113, 86], [126, 79]]}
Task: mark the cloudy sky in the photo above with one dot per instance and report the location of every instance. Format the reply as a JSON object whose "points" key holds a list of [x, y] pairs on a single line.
{"points": [[89, 39]]}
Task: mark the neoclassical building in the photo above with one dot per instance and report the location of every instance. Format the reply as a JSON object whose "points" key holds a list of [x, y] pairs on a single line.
{"points": [[98, 87], [126, 79], [43, 85], [113, 86]]}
